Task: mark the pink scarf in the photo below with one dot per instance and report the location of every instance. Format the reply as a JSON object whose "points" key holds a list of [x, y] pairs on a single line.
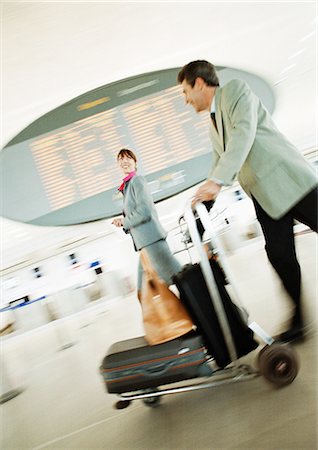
{"points": [[127, 178]]}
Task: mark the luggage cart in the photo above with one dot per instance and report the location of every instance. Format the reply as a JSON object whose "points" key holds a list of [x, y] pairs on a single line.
{"points": [[277, 362]]}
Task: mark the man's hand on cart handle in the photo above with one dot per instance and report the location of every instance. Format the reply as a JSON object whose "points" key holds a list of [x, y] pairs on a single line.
{"points": [[208, 191]]}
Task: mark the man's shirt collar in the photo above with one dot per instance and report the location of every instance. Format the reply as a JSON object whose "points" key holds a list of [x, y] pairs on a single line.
{"points": [[213, 105]]}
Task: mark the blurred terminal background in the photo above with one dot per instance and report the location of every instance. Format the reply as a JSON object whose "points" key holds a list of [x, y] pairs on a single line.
{"points": [[80, 81]]}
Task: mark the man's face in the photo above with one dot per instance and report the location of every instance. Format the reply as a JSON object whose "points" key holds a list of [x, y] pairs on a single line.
{"points": [[195, 95]]}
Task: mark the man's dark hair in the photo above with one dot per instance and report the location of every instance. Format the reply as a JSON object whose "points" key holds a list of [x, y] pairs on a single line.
{"points": [[203, 69], [126, 152]]}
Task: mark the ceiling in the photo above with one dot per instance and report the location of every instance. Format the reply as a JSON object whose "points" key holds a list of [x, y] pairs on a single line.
{"points": [[53, 52]]}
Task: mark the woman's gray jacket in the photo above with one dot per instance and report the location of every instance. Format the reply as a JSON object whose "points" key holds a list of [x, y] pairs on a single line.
{"points": [[140, 215]]}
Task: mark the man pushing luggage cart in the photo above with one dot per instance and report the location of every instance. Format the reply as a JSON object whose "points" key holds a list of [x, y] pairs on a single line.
{"points": [[135, 370]]}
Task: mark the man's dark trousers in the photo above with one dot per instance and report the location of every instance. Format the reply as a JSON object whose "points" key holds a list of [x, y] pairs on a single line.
{"points": [[280, 245]]}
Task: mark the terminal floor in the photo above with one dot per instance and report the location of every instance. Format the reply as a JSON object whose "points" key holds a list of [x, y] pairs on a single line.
{"points": [[64, 404]]}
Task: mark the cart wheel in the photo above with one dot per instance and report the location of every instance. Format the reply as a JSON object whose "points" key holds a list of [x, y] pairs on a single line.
{"points": [[122, 404], [278, 364], [152, 402]]}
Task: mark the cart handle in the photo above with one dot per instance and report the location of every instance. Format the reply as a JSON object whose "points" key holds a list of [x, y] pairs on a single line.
{"points": [[206, 270], [208, 227], [189, 203]]}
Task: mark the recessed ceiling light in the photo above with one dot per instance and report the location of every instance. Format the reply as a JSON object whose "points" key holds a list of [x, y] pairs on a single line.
{"points": [[307, 36], [288, 68], [280, 80], [297, 53]]}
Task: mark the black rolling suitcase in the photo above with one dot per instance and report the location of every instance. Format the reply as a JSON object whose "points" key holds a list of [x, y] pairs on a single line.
{"points": [[133, 365], [195, 295]]}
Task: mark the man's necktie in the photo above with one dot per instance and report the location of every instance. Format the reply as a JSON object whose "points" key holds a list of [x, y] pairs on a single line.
{"points": [[213, 120]]}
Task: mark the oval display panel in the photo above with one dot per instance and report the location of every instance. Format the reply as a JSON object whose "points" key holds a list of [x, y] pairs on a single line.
{"points": [[62, 169]]}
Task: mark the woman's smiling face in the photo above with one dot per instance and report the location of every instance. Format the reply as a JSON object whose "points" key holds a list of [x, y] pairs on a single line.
{"points": [[126, 164]]}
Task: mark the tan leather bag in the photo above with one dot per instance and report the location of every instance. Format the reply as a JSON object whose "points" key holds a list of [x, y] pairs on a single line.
{"points": [[164, 316]]}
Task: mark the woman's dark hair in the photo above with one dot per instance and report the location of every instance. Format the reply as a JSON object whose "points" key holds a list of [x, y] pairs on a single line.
{"points": [[126, 152], [203, 69]]}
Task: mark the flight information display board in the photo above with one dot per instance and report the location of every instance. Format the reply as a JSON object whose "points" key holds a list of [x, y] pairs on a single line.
{"points": [[62, 169], [79, 161]]}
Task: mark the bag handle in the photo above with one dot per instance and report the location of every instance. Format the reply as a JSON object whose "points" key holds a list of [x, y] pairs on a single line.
{"points": [[158, 369], [147, 269]]}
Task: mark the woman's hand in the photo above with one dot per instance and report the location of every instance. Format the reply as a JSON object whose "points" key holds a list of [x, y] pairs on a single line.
{"points": [[119, 222]]}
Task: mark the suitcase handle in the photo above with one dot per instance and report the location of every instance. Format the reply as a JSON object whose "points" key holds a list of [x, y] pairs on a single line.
{"points": [[207, 273], [157, 370]]}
